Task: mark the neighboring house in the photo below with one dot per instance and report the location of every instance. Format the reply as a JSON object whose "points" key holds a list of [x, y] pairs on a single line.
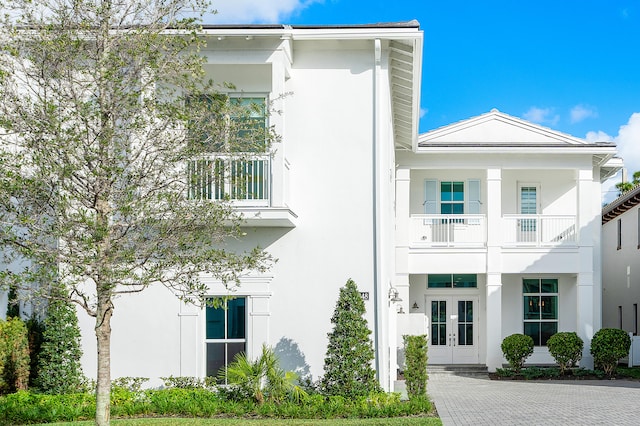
{"points": [[498, 232], [621, 262], [321, 201]]}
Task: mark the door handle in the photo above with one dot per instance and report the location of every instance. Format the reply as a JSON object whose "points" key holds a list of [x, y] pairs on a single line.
{"points": [[454, 339]]}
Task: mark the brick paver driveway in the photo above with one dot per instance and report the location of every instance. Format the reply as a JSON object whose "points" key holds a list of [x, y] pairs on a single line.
{"points": [[480, 401]]}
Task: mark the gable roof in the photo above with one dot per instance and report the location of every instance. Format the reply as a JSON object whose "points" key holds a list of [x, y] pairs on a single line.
{"points": [[497, 132]]}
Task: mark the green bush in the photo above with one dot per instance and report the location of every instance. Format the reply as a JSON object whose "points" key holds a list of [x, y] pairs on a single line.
{"points": [[566, 349], [516, 349], [59, 368], [25, 407], [608, 346], [347, 365], [14, 352], [415, 373]]}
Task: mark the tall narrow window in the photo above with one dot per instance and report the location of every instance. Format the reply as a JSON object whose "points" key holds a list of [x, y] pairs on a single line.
{"points": [[620, 317], [635, 319], [638, 228], [540, 297], [619, 234], [225, 333]]}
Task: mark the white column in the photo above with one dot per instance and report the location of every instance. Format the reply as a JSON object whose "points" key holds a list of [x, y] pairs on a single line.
{"points": [[403, 189], [494, 321], [588, 280], [494, 269]]}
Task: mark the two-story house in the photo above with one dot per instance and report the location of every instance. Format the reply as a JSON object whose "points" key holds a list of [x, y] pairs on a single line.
{"points": [[320, 200], [498, 232]]}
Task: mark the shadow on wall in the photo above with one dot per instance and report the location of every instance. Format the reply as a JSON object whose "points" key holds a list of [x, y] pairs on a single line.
{"points": [[292, 359]]}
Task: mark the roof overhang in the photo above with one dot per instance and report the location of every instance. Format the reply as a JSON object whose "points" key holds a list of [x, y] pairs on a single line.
{"points": [[626, 201]]}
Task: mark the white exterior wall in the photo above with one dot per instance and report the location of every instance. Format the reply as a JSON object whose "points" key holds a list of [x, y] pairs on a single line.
{"points": [[328, 138], [621, 271]]}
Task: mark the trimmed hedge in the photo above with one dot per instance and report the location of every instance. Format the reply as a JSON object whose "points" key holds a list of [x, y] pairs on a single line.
{"points": [[566, 348], [25, 407]]}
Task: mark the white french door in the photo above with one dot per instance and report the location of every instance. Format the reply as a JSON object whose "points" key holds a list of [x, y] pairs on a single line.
{"points": [[453, 329]]}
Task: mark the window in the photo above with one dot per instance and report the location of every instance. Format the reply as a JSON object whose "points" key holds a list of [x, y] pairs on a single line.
{"points": [[451, 197], [540, 309], [225, 333], [638, 227], [452, 281], [235, 126], [528, 205], [619, 234], [635, 319], [620, 317]]}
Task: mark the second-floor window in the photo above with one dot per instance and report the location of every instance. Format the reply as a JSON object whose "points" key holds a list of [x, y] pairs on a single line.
{"points": [[231, 145], [452, 197]]}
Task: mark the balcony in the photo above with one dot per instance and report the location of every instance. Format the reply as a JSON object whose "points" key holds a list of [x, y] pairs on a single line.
{"points": [[469, 231], [245, 182], [459, 230], [539, 230]]}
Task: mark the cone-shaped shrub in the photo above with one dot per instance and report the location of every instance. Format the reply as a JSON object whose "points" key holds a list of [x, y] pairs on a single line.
{"points": [[347, 365]]}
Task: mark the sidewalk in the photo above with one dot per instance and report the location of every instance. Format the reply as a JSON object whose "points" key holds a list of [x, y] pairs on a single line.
{"points": [[480, 401]]}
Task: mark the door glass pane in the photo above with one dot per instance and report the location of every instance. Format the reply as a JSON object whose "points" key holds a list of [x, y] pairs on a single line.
{"points": [[469, 335], [438, 322], [528, 200], [443, 312], [442, 341], [465, 322], [531, 307]]}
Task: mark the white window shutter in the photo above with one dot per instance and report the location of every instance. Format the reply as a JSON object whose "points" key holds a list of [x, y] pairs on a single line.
{"points": [[430, 196]]}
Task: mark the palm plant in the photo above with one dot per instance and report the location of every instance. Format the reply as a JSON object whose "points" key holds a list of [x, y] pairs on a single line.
{"points": [[262, 378]]}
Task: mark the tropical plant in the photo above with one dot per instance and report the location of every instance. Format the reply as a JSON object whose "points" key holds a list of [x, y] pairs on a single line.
{"points": [[628, 186], [608, 345], [566, 349], [415, 373], [347, 365], [94, 148], [59, 369], [14, 352], [516, 349], [262, 379]]}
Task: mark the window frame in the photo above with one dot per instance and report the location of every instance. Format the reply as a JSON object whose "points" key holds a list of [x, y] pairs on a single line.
{"points": [[540, 294], [225, 340]]}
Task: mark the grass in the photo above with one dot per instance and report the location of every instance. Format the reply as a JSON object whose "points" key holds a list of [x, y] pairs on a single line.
{"points": [[395, 421]]}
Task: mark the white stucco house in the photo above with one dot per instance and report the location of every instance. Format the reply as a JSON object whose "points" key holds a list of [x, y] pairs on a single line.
{"points": [[621, 257], [498, 232], [469, 233]]}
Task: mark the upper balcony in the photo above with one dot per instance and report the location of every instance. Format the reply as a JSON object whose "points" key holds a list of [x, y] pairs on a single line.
{"points": [[470, 231], [243, 181]]}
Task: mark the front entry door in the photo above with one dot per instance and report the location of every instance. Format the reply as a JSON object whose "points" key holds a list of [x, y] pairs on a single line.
{"points": [[453, 331]]}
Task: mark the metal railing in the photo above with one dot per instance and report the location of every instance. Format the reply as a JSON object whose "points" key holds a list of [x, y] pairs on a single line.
{"points": [[241, 180], [539, 230], [456, 230]]}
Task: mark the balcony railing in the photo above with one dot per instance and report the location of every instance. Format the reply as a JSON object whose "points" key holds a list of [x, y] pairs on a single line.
{"points": [[539, 230], [459, 230], [244, 181]]}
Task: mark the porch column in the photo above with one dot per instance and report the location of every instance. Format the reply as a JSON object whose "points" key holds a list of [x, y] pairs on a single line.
{"points": [[401, 282], [494, 269], [589, 294]]}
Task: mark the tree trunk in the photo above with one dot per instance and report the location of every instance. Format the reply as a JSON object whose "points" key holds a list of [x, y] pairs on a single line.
{"points": [[103, 384]]}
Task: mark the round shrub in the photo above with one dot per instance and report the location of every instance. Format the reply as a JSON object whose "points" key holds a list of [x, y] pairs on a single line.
{"points": [[516, 349], [608, 346], [566, 349]]}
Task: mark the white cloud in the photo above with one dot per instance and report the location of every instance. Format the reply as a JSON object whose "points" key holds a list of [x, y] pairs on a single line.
{"points": [[582, 112], [628, 144], [542, 116], [423, 112], [255, 11]]}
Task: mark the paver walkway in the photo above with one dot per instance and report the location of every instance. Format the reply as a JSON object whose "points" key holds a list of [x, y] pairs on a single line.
{"points": [[480, 401]]}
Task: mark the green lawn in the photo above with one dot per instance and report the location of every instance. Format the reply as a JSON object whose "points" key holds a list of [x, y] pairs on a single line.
{"points": [[396, 421]]}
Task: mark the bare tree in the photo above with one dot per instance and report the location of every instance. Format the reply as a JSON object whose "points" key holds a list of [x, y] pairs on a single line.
{"points": [[107, 122]]}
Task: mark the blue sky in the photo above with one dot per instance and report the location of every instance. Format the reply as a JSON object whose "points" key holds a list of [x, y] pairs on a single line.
{"points": [[572, 65]]}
